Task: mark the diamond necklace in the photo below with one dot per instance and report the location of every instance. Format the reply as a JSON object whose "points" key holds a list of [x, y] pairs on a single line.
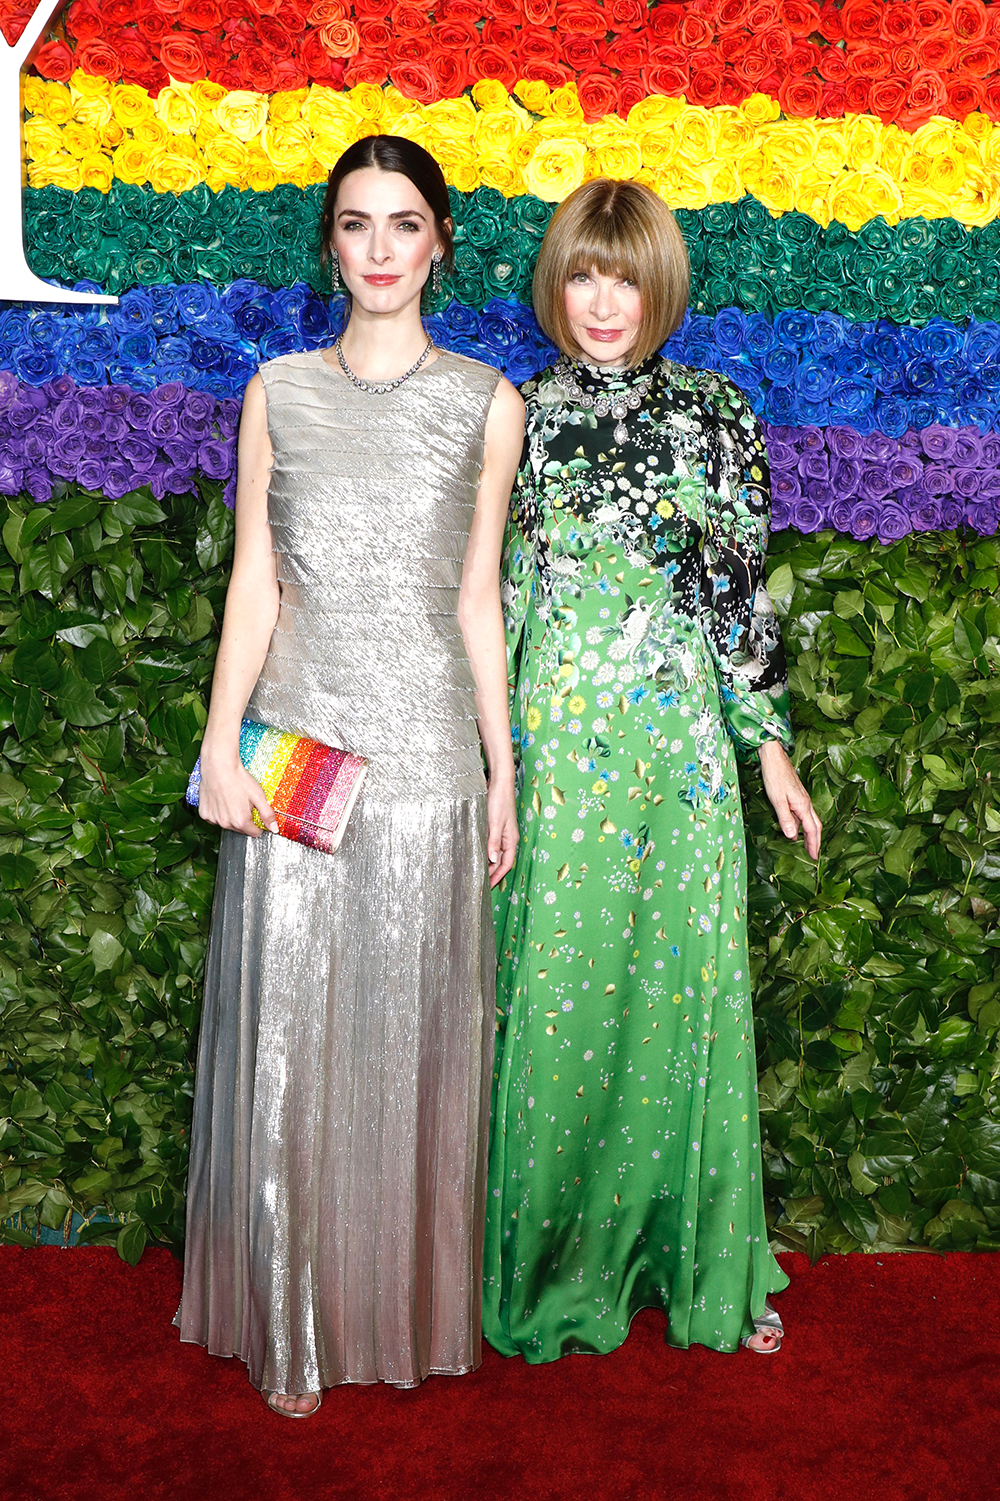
{"points": [[606, 403], [379, 387]]}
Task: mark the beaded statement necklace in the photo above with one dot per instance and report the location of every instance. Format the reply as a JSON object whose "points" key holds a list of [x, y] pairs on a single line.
{"points": [[604, 402], [379, 387]]}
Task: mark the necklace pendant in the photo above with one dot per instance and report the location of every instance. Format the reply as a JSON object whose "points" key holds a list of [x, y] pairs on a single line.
{"points": [[621, 432]]}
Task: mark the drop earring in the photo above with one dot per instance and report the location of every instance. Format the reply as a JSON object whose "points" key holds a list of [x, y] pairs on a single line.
{"points": [[335, 270], [436, 275]]}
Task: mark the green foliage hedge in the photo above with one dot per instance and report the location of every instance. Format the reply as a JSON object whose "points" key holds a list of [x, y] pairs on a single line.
{"points": [[877, 976]]}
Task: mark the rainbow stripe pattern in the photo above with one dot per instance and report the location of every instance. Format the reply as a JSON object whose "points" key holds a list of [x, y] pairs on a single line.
{"points": [[311, 787]]}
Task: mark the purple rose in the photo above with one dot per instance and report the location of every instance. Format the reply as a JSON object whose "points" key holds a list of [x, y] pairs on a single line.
{"points": [[139, 452], [66, 416], [937, 479], [163, 424], [982, 515], [893, 522], [118, 399], [989, 483], [115, 427], [875, 482], [119, 479], [904, 472], [91, 398], [937, 442], [990, 450], [9, 387], [60, 388], [138, 411], [878, 447], [785, 486], [966, 483], [90, 473], [38, 484], [217, 459], [967, 450], [780, 514], [807, 516], [864, 520], [846, 477], [841, 514], [951, 514], [815, 464], [177, 480], [924, 510], [181, 452], [170, 395], [781, 455], [10, 479]]}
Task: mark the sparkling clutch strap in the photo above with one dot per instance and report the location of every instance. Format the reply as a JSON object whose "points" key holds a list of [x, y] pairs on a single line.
{"points": [[311, 787]]}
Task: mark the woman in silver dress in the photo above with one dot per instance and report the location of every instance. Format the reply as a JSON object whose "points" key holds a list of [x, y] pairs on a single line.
{"points": [[336, 1189]]}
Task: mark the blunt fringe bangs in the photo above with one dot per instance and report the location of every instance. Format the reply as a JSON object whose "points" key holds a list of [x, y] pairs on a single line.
{"points": [[619, 229], [391, 154]]}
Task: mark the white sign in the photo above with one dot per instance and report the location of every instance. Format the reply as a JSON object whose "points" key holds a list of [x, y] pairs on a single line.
{"points": [[18, 283]]}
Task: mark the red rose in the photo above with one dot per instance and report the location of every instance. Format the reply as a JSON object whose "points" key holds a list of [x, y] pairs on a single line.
{"points": [[965, 96], [274, 36], [116, 12], [365, 69], [577, 18], [455, 36], [931, 16], [598, 95], [181, 55], [539, 12], [266, 7], [830, 27], [978, 60], [369, 9], [541, 70], [969, 20], [899, 23], [803, 58], [905, 60], [503, 35], [694, 31], [665, 21], [703, 57], [134, 54], [459, 10], [416, 81], [55, 60], [152, 24], [731, 14], [257, 67], [857, 96], [291, 74], [991, 103], [375, 35], [631, 91], [409, 21], [99, 58], [801, 18], [200, 15], [705, 87], [995, 21], [83, 22], [293, 18], [861, 20], [628, 54], [763, 13], [834, 102], [537, 43], [451, 70], [869, 62], [410, 49], [230, 77], [666, 76], [505, 10], [216, 55], [584, 53], [801, 96], [937, 52], [751, 65], [886, 98], [925, 96], [626, 15], [494, 62], [733, 92]]}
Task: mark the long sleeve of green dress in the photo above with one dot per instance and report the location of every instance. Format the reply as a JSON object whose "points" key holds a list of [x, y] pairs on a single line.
{"points": [[625, 1164]]}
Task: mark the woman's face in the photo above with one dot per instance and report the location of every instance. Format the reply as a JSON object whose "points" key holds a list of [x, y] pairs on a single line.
{"points": [[604, 313], [385, 235]]}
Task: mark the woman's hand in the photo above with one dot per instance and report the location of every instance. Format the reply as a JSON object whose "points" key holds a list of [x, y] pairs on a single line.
{"points": [[229, 795], [789, 799], [502, 835]]}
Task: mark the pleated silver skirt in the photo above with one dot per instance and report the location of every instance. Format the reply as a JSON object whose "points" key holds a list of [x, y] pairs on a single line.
{"points": [[337, 1180]]}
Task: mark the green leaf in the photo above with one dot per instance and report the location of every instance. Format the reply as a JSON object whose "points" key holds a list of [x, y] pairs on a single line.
{"points": [[35, 665], [137, 510], [132, 1241], [44, 566], [99, 660], [105, 949]]}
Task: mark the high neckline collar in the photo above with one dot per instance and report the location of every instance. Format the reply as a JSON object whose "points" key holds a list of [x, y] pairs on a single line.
{"points": [[610, 376]]}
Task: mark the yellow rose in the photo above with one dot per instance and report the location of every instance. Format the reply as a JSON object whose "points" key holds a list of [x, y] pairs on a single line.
{"points": [[130, 104], [657, 147], [94, 109], [287, 105], [555, 168], [228, 158], [760, 109], [173, 171], [332, 122], [177, 110], [791, 145], [577, 704], [206, 94], [42, 139], [688, 188], [534, 718], [33, 92], [656, 112], [831, 147], [725, 185], [79, 139], [621, 159], [978, 127], [287, 145], [131, 162], [948, 173], [564, 104], [856, 197], [366, 100], [532, 94], [734, 133], [775, 187], [497, 132], [489, 93], [62, 171], [500, 172], [695, 132], [451, 117], [89, 85], [261, 176], [980, 200], [863, 138], [97, 172], [464, 175], [934, 137], [208, 129], [53, 100], [111, 136], [242, 114], [151, 134]]}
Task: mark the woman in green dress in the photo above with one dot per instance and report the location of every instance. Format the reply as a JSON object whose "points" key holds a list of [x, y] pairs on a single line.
{"points": [[645, 660]]}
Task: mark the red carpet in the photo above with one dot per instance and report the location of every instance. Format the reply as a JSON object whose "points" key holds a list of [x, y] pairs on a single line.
{"points": [[888, 1387]]}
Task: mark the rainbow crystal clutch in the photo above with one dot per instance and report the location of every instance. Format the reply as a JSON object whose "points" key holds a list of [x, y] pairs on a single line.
{"points": [[311, 787]]}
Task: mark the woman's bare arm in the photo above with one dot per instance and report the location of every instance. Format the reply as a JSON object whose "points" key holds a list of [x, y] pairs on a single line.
{"points": [[481, 620], [228, 792]]}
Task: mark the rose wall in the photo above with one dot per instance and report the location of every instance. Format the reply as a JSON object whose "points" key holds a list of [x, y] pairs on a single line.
{"points": [[836, 173]]}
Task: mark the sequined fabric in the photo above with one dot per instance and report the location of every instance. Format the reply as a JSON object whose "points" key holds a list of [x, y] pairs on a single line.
{"points": [[336, 1189]]}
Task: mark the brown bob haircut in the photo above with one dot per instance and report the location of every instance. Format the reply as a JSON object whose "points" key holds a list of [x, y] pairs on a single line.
{"points": [[619, 229]]}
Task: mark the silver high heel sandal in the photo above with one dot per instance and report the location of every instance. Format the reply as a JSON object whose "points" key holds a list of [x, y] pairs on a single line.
{"points": [[284, 1412], [768, 1330]]}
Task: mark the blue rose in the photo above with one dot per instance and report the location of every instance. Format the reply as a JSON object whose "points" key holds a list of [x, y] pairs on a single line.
{"points": [[814, 381], [892, 414], [139, 348], [981, 345], [35, 364], [459, 319], [164, 309], [938, 340], [206, 354], [280, 341], [133, 313], [793, 326], [780, 365], [849, 400]]}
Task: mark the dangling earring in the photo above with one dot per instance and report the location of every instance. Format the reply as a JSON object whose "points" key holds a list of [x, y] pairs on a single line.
{"points": [[335, 270], [436, 275]]}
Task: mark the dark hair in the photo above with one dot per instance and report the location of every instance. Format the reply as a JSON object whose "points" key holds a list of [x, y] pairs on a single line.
{"points": [[391, 154]]}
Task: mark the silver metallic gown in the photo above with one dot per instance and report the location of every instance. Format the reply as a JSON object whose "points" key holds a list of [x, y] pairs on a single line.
{"points": [[336, 1188]]}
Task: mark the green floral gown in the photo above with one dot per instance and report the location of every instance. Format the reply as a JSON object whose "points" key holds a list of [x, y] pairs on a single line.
{"points": [[625, 1167]]}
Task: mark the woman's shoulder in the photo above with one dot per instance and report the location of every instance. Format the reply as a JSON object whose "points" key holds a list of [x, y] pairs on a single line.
{"points": [[477, 373], [301, 361], [708, 387]]}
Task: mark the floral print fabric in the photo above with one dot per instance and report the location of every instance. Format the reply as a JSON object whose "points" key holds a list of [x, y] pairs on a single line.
{"points": [[645, 658]]}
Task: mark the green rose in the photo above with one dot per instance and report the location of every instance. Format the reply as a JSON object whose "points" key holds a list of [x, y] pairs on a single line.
{"points": [[752, 217], [530, 215], [148, 268], [914, 237], [716, 219], [796, 230]]}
